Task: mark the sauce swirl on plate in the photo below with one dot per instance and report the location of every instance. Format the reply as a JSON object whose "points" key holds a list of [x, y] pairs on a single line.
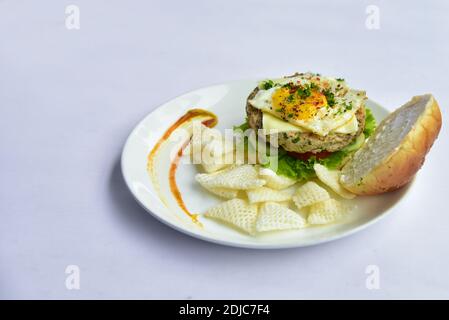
{"points": [[208, 119]]}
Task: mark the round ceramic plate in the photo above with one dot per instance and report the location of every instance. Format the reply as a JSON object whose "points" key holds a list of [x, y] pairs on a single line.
{"points": [[227, 101]]}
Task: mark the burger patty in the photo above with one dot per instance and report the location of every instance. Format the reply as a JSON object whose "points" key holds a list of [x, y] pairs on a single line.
{"points": [[302, 142]]}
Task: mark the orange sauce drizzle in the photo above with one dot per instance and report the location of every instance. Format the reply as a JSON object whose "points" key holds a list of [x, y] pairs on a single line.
{"points": [[189, 116]]}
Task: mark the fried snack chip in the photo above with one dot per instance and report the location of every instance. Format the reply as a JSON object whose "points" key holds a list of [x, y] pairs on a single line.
{"points": [[308, 194], [326, 211], [331, 178], [237, 212], [264, 194], [216, 163], [241, 178], [213, 167], [285, 204], [224, 192], [208, 148], [275, 181], [197, 142], [274, 216]]}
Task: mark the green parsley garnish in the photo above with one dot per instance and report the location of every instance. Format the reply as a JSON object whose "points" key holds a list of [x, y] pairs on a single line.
{"points": [[329, 97], [348, 106], [267, 84], [303, 92]]}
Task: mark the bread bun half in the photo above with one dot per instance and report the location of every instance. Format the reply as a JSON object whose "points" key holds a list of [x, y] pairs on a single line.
{"points": [[397, 149]]}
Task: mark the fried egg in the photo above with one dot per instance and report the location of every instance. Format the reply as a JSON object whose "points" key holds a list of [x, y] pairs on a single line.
{"points": [[310, 103]]}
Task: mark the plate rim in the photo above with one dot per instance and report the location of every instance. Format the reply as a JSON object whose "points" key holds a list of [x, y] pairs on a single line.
{"points": [[231, 243]]}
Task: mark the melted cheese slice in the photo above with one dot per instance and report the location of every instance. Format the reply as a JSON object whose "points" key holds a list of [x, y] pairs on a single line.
{"points": [[271, 123], [352, 126], [274, 124]]}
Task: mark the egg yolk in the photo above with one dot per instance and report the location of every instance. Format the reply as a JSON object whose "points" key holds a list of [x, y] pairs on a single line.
{"points": [[296, 106]]}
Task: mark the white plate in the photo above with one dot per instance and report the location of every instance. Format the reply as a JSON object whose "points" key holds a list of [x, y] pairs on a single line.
{"points": [[227, 101]]}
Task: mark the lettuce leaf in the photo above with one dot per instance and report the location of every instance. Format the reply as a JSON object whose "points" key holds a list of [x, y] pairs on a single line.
{"points": [[244, 126], [370, 123], [291, 167], [303, 169], [335, 160]]}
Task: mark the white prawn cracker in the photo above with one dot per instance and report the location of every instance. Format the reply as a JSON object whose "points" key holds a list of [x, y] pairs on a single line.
{"points": [[273, 216], [237, 212], [308, 194], [331, 178], [217, 163], [285, 204], [326, 211], [276, 181], [212, 167], [203, 136], [198, 142], [241, 178], [217, 155], [224, 192], [208, 148], [264, 194]]}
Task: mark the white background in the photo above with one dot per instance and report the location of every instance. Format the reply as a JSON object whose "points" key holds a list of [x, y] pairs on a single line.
{"points": [[68, 100]]}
